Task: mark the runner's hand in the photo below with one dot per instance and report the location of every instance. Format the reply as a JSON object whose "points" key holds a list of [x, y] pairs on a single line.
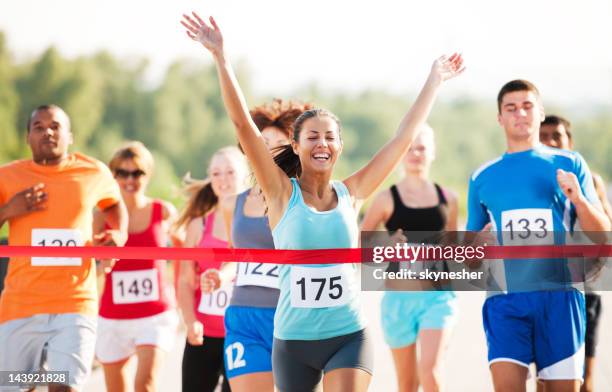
{"points": [[195, 333], [447, 67], [200, 31], [29, 200], [569, 185], [210, 280], [108, 238], [485, 237]]}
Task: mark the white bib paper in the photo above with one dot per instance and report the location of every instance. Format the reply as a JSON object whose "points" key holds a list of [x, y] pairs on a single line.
{"points": [[320, 287], [56, 237], [257, 274], [528, 226], [216, 302], [132, 287]]}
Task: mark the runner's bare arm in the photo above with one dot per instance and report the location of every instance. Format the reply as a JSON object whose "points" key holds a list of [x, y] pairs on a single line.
{"points": [[273, 181], [365, 181], [600, 188], [116, 218], [379, 211], [592, 219], [187, 285]]}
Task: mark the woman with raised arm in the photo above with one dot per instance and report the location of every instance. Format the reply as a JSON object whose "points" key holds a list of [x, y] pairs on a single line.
{"points": [[249, 320], [202, 311], [319, 329], [419, 208]]}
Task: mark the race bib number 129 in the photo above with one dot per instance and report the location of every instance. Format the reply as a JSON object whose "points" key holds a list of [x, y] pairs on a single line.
{"points": [[56, 237]]}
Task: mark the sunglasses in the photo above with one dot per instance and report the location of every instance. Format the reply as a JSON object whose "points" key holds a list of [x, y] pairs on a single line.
{"points": [[126, 173]]}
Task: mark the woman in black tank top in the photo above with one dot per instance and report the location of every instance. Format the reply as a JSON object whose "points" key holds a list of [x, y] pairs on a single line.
{"points": [[416, 205]]}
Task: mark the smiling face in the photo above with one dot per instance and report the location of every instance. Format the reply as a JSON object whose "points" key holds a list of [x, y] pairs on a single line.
{"points": [[319, 144], [520, 115], [224, 175], [132, 178], [49, 135]]}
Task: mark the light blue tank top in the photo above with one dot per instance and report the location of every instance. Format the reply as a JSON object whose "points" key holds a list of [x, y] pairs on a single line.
{"points": [[317, 301]]}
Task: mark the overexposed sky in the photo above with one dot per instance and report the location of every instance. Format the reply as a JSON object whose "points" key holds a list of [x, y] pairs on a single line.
{"points": [[565, 47]]}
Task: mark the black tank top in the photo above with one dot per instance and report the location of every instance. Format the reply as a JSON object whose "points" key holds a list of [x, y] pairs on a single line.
{"points": [[419, 225], [418, 219]]}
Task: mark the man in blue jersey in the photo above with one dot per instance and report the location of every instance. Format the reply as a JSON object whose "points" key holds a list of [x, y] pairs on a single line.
{"points": [[533, 195]]}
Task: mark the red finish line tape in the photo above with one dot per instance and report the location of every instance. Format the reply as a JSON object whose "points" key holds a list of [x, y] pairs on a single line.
{"points": [[311, 256]]}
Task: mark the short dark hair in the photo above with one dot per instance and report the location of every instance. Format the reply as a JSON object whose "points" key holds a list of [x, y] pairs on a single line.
{"points": [[555, 120], [515, 85], [45, 107]]}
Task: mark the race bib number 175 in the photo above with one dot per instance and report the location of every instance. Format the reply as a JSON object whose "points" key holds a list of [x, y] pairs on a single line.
{"points": [[319, 287]]}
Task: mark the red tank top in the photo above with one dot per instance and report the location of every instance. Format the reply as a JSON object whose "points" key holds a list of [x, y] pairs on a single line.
{"points": [[137, 288], [210, 308]]}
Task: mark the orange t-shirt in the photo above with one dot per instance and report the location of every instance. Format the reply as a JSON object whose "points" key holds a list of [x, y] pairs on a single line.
{"points": [[48, 285]]}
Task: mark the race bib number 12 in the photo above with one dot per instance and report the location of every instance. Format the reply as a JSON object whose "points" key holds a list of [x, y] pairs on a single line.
{"points": [[56, 237]]}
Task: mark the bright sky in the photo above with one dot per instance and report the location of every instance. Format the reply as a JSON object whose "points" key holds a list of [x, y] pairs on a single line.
{"points": [[562, 46]]}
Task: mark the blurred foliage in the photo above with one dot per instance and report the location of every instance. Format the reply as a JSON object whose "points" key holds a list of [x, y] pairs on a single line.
{"points": [[182, 120]]}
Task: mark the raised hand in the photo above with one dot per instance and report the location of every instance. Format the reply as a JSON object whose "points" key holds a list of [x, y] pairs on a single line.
{"points": [[200, 31], [447, 67]]}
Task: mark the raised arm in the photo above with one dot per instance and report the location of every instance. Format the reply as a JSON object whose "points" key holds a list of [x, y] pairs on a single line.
{"points": [[270, 177], [364, 182]]}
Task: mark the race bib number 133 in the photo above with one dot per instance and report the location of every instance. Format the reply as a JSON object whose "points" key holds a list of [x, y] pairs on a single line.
{"points": [[528, 226]]}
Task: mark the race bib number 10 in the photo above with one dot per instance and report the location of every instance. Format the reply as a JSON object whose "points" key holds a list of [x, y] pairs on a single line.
{"points": [[528, 226], [56, 237], [132, 287], [216, 302], [319, 287]]}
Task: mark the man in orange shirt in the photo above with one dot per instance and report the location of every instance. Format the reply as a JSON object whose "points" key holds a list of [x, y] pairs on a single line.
{"points": [[49, 304]]}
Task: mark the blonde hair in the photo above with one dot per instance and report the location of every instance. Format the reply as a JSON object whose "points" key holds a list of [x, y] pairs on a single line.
{"points": [[133, 151], [202, 199]]}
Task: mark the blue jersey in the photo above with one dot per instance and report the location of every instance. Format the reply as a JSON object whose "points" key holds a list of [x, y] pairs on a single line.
{"points": [[519, 194]]}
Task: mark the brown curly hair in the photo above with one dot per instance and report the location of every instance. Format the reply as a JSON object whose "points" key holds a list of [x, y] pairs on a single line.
{"points": [[279, 114]]}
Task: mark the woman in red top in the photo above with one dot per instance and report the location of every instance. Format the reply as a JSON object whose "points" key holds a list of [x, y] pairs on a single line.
{"points": [[203, 313], [137, 310]]}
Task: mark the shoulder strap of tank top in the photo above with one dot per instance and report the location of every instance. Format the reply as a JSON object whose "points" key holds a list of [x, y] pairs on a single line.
{"points": [[158, 212], [397, 200], [240, 200], [209, 222], [441, 195]]}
